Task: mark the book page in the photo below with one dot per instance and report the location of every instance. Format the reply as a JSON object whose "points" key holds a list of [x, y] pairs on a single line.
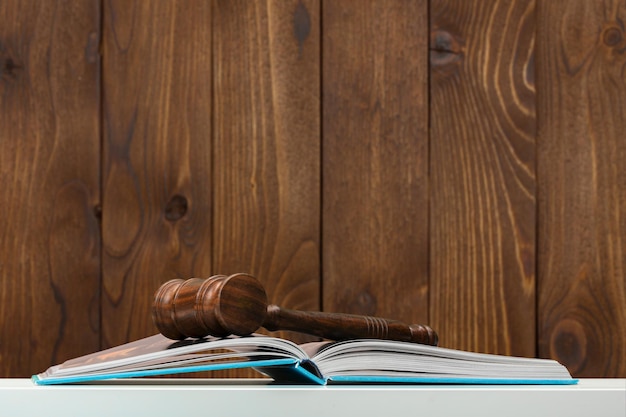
{"points": [[157, 349], [393, 359]]}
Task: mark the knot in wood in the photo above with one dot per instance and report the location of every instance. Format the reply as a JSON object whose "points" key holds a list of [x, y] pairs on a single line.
{"points": [[301, 24], [8, 68], [176, 208], [568, 343], [97, 211], [364, 303], [445, 48], [613, 37]]}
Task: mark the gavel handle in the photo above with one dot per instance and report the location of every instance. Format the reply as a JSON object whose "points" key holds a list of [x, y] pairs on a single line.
{"points": [[337, 326]]}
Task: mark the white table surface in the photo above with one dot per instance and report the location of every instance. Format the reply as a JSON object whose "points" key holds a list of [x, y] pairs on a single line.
{"points": [[212, 397]]}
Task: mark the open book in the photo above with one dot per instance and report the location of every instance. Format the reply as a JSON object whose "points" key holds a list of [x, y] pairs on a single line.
{"points": [[354, 361]]}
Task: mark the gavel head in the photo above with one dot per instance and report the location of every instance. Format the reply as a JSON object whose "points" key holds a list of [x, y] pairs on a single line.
{"points": [[218, 306]]}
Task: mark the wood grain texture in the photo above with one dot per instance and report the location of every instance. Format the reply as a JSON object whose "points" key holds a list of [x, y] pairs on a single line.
{"points": [[582, 185], [250, 135], [49, 183], [482, 165], [375, 158], [156, 215], [267, 146]]}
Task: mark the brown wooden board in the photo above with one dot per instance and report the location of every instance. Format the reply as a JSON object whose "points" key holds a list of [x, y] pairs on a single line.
{"points": [[156, 216], [375, 158], [49, 183], [582, 185], [267, 146], [482, 170], [316, 145]]}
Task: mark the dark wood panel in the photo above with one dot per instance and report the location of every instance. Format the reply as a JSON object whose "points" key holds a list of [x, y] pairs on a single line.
{"points": [[157, 81], [49, 183], [267, 146], [582, 186], [375, 158], [483, 192]]}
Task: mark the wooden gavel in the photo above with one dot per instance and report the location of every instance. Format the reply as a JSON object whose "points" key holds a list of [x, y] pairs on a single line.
{"points": [[237, 305]]}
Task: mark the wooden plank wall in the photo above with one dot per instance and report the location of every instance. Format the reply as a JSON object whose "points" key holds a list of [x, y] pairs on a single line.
{"points": [[449, 162], [156, 153], [483, 192], [375, 158], [581, 97], [49, 183]]}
